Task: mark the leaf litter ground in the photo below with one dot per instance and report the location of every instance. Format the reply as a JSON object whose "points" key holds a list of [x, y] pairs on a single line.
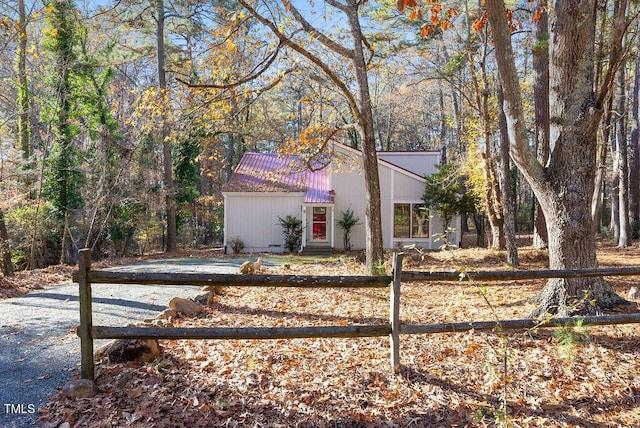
{"points": [[580, 377]]}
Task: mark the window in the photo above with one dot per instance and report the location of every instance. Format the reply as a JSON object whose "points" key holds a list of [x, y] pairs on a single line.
{"points": [[401, 221], [419, 221], [410, 221]]}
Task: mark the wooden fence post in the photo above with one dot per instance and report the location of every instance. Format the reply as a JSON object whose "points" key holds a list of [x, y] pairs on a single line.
{"points": [[86, 317], [394, 312]]}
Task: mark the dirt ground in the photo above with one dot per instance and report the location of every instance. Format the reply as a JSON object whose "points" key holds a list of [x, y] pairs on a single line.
{"points": [[563, 377]]}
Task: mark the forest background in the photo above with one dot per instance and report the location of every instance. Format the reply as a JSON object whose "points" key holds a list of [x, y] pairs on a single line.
{"points": [[122, 120]]}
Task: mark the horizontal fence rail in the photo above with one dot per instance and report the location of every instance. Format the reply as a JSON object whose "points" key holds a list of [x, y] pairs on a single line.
{"points": [[517, 274], [202, 279], [87, 331], [317, 281], [456, 327], [100, 332]]}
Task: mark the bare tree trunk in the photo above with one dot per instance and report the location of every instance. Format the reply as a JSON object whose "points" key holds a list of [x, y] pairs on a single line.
{"points": [[634, 177], [172, 233], [33, 247], [597, 200], [373, 215], [443, 127], [623, 166], [456, 117], [5, 248], [63, 244], [614, 220], [541, 100], [230, 156], [504, 175], [455, 105]]}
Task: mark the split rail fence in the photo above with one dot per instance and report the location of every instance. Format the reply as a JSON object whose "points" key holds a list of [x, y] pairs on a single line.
{"points": [[87, 332]]}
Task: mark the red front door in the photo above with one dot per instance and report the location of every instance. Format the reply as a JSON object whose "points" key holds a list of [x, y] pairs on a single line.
{"points": [[319, 224]]}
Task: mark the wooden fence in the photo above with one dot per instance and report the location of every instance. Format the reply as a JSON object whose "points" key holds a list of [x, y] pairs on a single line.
{"points": [[87, 332]]}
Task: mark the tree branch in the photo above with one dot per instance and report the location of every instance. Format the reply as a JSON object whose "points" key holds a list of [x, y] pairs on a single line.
{"points": [[366, 43], [315, 162], [254, 74], [337, 5], [520, 151], [305, 53], [316, 34]]}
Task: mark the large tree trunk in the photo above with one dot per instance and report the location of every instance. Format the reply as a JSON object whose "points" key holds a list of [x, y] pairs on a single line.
{"points": [[565, 186], [373, 216], [541, 107], [172, 233]]}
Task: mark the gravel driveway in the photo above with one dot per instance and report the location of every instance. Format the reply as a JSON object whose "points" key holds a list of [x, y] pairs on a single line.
{"points": [[39, 350]]}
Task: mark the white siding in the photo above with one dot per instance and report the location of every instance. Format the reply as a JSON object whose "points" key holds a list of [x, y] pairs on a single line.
{"points": [[387, 176], [407, 188], [349, 188], [253, 217], [395, 187], [420, 163]]}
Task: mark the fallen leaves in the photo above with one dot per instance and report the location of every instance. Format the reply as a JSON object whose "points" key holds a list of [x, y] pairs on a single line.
{"points": [[446, 380], [24, 282]]}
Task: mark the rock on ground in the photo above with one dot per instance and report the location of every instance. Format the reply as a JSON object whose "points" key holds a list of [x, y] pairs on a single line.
{"points": [[185, 306], [124, 350], [79, 388]]}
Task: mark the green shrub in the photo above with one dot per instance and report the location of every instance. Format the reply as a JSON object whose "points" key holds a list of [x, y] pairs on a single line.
{"points": [[292, 229], [347, 222]]}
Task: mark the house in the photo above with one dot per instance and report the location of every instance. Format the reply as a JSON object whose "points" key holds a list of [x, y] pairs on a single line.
{"points": [[267, 186]]}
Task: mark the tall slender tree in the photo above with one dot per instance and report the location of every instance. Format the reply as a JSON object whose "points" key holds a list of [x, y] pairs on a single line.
{"points": [[541, 106], [63, 178], [504, 176], [172, 231], [358, 98], [634, 176], [24, 124], [624, 237]]}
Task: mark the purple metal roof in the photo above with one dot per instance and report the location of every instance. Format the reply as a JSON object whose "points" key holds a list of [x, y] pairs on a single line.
{"points": [[271, 172]]}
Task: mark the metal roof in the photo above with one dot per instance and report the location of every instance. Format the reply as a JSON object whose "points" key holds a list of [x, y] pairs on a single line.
{"points": [[272, 172]]}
